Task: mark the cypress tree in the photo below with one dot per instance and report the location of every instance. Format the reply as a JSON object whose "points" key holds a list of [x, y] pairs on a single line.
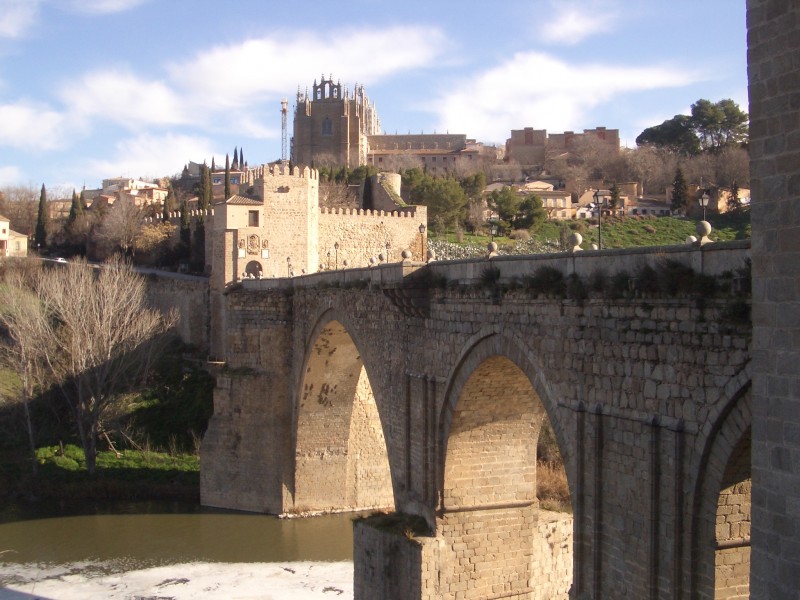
{"points": [[734, 202], [40, 237], [204, 193], [227, 177], [614, 201], [169, 202], [76, 209], [680, 191], [241, 160], [236, 158], [213, 164], [186, 230]]}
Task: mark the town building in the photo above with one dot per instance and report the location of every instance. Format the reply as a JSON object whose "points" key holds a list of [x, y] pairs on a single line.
{"points": [[11, 242], [532, 147]]}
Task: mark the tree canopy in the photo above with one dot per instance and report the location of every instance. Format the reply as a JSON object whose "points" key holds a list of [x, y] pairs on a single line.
{"points": [[711, 126]]}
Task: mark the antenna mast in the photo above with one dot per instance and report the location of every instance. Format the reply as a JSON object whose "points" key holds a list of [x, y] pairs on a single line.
{"points": [[284, 111]]}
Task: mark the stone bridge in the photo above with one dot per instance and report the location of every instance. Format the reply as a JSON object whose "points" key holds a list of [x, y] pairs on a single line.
{"points": [[421, 390]]}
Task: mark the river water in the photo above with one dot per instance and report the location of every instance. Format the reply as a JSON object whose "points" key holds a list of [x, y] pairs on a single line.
{"points": [[166, 542]]}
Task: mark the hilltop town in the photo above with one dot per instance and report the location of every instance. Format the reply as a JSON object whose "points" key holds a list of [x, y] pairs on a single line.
{"points": [[357, 168]]}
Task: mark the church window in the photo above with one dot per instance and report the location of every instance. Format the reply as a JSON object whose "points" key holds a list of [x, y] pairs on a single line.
{"points": [[252, 218], [327, 127]]}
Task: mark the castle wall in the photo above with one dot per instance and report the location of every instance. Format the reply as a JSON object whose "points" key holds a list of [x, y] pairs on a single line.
{"points": [[188, 296], [363, 234]]}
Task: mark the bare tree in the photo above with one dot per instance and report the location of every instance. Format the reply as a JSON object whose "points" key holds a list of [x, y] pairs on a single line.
{"points": [[29, 344], [105, 339], [333, 194], [19, 204], [120, 226]]}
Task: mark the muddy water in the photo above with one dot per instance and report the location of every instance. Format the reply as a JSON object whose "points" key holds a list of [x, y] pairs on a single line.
{"points": [[142, 535]]}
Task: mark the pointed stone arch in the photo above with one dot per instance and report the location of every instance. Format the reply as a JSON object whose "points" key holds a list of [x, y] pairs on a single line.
{"points": [[341, 458], [488, 517], [720, 561]]}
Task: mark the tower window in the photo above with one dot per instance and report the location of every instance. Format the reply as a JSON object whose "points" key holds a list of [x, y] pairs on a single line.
{"points": [[327, 127], [252, 218]]}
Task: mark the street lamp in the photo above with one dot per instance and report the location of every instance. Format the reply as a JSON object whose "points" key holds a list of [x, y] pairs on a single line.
{"points": [[288, 266], [336, 247], [387, 252], [600, 199], [328, 264], [703, 200], [422, 242], [492, 226]]}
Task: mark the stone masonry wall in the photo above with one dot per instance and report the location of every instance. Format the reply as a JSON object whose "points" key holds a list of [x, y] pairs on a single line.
{"points": [[362, 234], [188, 296], [774, 94], [733, 539], [369, 483], [551, 559]]}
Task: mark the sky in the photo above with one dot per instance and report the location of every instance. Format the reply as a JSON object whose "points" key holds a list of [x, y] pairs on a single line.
{"points": [[93, 89]]}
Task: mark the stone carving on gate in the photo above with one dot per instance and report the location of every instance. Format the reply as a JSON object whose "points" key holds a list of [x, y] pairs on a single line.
{"points": [[253, 244]]}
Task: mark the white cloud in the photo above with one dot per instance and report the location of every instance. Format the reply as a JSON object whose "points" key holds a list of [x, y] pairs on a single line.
{"points": [[572, 22], [534, 89], [10, 175], [31, 127], [237, 74], [105, 6], [148, 155], [17, 17], [122, 97]]}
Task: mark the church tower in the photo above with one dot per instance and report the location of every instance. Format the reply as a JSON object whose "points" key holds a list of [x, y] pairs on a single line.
{"points": [[332, 127]]}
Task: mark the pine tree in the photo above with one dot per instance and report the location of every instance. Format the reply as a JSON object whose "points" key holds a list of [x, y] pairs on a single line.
{"points": [[227, 177], [680, 191], [40, 237]]}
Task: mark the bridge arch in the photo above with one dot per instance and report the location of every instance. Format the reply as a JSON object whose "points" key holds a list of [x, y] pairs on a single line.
{"points": [[496, 401], [341, 459], [721, 504]]}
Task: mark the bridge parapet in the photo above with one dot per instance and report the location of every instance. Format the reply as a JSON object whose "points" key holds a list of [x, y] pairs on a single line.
{"points": [[711, 259]]}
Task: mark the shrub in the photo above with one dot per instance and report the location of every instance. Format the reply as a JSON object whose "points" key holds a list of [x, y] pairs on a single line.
{"points": [[546, 280], [490, 276], [520, 234]]}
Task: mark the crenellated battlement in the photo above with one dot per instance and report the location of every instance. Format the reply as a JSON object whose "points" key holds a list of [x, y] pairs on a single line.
{"points": [[280, 170], [175, 217], [410, 213]]}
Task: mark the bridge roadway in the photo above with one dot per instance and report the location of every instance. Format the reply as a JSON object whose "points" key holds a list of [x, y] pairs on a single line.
{"points": [[421, 390]]}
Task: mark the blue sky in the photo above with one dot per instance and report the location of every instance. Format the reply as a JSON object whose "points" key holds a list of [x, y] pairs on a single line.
{"points": [[102, 88]]}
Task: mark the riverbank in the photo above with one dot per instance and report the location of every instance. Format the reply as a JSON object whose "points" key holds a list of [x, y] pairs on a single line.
{"points": [[128, 475], [187, 581]]}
